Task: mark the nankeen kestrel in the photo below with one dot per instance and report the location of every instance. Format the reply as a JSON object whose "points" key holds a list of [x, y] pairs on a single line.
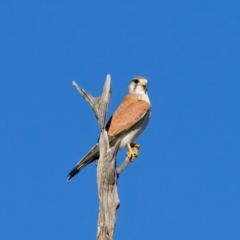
{"points": [[127, 123]]}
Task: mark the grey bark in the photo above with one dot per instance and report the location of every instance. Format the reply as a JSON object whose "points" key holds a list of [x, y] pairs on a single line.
{"points": [[107, 174]]}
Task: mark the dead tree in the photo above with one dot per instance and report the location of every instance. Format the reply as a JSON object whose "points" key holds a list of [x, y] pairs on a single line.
{"points": [[107, 173]]}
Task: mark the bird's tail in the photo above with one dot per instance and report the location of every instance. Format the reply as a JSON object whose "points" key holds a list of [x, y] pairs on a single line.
{"points": [[92, 155]]}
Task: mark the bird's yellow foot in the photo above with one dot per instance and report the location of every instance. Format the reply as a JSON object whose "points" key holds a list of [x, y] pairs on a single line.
{"points": [[131, 154]]}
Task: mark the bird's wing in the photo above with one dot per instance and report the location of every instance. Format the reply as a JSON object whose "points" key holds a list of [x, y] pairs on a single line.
{"points": [[130, 112]]}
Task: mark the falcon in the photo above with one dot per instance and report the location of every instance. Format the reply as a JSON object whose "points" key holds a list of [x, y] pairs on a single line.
{"points": [[126, 123]]}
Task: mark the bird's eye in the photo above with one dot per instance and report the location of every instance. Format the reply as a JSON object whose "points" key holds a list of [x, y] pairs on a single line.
{"points": [[136, 81]]}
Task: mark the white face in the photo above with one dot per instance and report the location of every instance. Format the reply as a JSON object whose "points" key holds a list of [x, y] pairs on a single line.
{"points": [[138, 86]]}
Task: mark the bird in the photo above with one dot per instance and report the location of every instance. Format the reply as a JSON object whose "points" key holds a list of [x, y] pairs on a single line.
{"points": [[126, 123]]}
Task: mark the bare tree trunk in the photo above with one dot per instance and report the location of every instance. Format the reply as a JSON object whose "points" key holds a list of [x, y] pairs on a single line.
{"points": [[107, 189], [107, 173]]}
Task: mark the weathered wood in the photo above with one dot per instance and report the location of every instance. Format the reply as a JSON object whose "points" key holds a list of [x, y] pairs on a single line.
{"points": [[100, 104], [106, 169], [107, 189]]}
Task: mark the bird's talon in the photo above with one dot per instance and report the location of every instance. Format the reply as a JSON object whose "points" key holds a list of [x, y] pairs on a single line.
{"points": [[132, 155]]}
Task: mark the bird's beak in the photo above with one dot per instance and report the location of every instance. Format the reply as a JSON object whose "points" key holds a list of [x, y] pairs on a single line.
{"points": [[142, 82]]}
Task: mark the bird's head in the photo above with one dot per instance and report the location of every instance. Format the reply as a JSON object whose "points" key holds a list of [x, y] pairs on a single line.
{"points": [[138, 85]]}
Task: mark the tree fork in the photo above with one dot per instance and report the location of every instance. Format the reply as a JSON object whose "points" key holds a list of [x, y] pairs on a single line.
{"points": [[107, 174]]}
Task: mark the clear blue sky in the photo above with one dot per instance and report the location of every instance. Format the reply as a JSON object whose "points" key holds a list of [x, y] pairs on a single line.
{"points": [[185, 183]]}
